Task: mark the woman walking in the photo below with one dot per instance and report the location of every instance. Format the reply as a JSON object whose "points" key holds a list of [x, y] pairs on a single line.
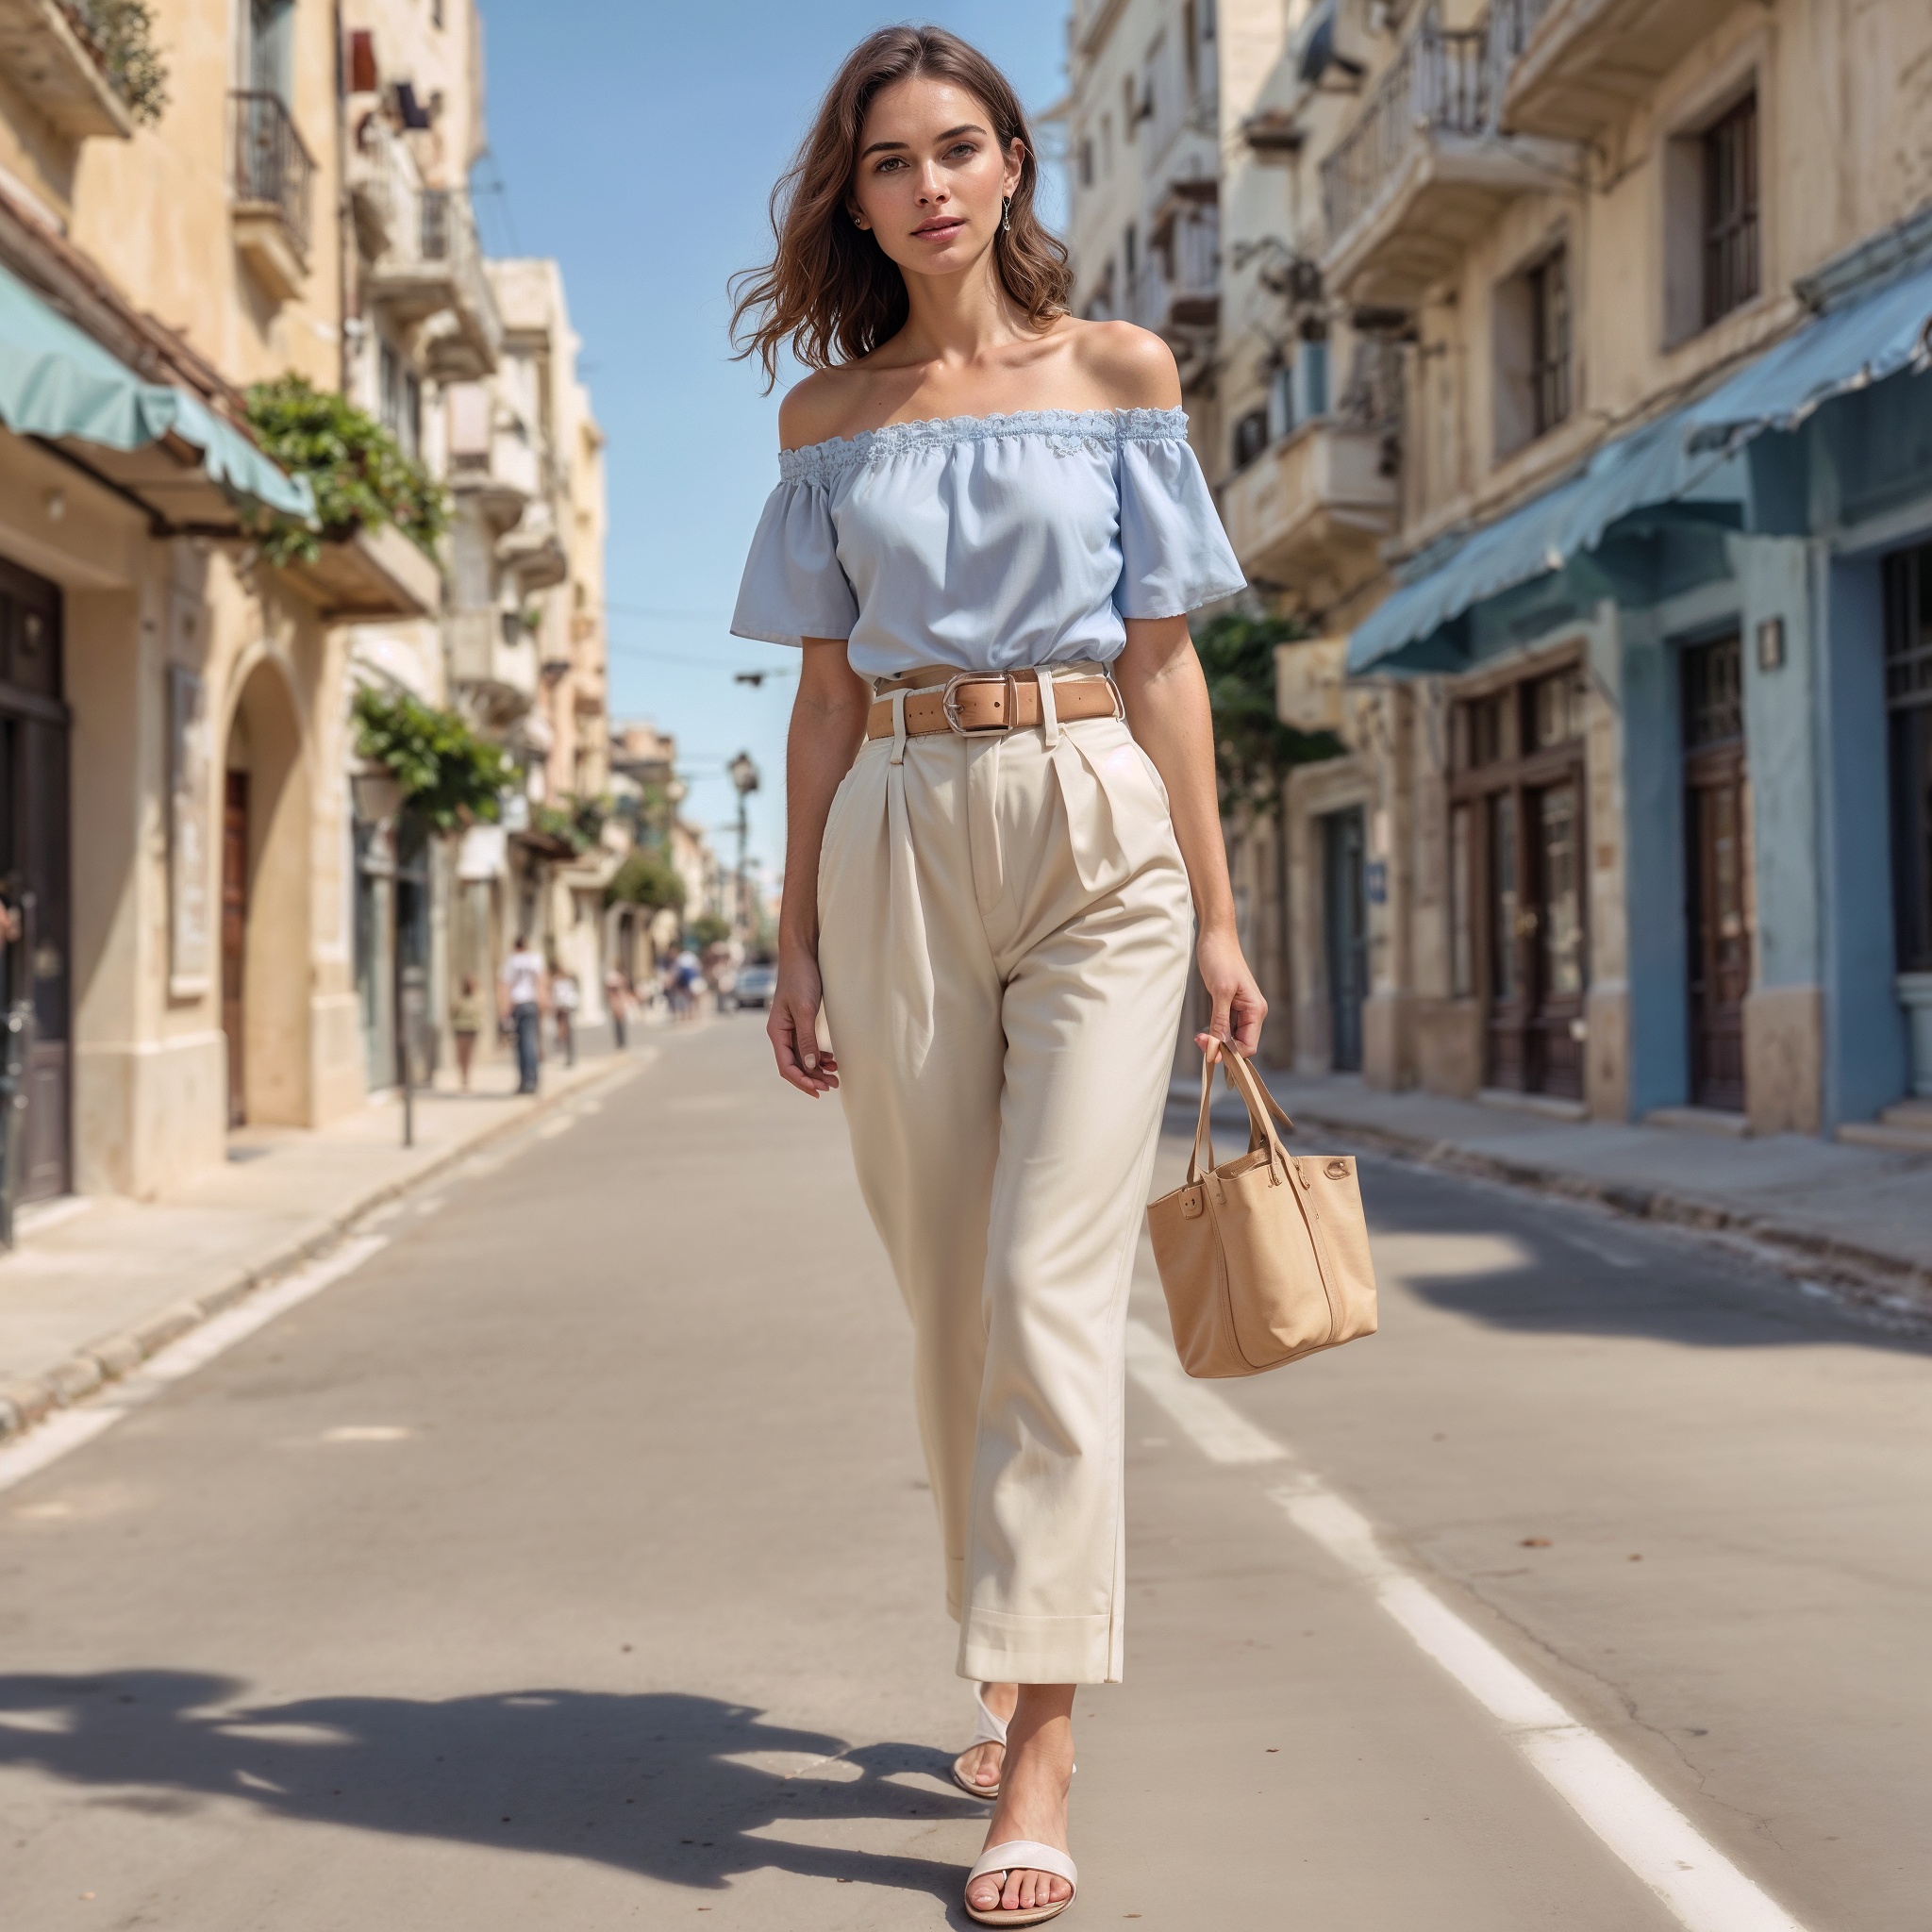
{"points": [[987, 534]]}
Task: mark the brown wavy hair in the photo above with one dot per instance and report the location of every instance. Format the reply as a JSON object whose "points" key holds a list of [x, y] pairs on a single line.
{"points": [[830, 293]]}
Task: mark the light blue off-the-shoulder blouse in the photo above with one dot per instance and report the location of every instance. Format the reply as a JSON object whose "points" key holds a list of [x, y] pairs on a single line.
{"points": [[988, 542]]}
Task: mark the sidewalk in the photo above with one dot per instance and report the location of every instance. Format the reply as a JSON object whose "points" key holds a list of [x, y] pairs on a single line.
{"points": [[98, 1282], [1859, 1218]]}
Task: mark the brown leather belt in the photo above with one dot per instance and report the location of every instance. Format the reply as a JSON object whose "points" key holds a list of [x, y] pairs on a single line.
{"points": [[988, 704]]}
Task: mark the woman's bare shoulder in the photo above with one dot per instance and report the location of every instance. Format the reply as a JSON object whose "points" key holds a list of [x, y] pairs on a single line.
{"points": [[825, 404], [1133, 367]]}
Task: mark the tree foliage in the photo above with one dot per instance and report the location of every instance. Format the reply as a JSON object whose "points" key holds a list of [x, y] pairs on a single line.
{"points": [[708, 929], [644, 879], [450, 776], [1253, 748], [359, 471]]}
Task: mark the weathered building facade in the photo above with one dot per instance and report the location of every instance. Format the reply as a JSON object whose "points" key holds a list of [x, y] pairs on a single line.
{"points": [[1579, 352]]}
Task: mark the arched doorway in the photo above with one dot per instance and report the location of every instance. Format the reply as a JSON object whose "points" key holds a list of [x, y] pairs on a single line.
{"points": [[264, 901]]}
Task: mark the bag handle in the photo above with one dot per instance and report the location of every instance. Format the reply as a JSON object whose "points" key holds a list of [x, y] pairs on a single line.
{"points": [[1241, 1079]]}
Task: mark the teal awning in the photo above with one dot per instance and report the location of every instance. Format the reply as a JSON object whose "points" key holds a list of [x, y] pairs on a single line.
{"points": [[1682, 458], [56, 382]]}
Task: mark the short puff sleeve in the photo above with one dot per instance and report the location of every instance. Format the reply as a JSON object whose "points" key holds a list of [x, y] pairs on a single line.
{"points": [[1174, 555], [794, 585]]}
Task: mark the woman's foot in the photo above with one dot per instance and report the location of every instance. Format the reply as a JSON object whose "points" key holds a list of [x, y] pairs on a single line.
{"points": [[1038, 1769], [981, 1764]]}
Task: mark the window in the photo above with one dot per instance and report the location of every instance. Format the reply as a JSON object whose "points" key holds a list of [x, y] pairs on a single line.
{"points": [[1530, 327], [1250, 437], [1730, 211], [1086, 162], [1130, 255], [1713, 693], [1311, 380], [1281, 416], [1549, 341]]}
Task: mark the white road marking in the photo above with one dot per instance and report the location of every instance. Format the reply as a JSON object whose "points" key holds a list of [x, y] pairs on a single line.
{"points": [[71, 1427], [368, 1432], [1214, 1425], [1702, 1888], [557, 1123]]}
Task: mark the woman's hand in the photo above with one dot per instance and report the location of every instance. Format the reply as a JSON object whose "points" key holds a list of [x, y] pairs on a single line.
{"points": [[1239, 1007], [792, 1028]]}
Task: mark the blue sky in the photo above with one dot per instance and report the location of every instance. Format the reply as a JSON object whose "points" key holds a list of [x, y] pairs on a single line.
{"points": [[637, 140]]}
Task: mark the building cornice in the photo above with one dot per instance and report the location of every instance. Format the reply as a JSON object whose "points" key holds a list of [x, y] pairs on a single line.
{"points": [[1099, 28]]}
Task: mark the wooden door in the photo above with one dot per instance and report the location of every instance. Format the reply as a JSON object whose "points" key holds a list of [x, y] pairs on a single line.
{"points": [[1717, 871], [1347, 935], [1552, 1056], [1507, 927], [235, 938], [35, 867]]}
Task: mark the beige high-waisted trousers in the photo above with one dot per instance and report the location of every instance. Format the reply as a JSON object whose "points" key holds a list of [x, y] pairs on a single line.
{"points": [[1004, 936]]}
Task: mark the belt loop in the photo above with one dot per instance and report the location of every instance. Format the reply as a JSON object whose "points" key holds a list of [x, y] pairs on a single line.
{"points": [[899, 726], [1049, 717]]}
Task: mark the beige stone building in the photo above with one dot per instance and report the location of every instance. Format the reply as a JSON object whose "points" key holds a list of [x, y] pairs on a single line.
{"points": [[1568, 387], [261, 188], [172, 732]]}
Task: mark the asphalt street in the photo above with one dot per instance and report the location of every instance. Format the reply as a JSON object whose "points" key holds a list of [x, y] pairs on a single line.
{"points": [[570, 1563]]}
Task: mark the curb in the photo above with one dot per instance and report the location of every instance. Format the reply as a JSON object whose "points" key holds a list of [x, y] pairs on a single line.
{"points": [[1865, 1275], [32, 1398]]}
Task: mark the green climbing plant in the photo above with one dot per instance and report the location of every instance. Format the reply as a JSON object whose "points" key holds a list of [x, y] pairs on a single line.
{"points": [[360, 473], [645, 879], [120, 35], [450, 776], [1253, 749]]}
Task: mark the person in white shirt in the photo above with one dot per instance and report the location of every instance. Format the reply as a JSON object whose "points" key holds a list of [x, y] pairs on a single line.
{"points": [[524, 990]]}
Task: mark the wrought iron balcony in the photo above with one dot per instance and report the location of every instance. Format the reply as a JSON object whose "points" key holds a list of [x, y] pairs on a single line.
{"points": [[1438, 83], [433, 266], [1568, 68], [273, 188], [1424, 170]]}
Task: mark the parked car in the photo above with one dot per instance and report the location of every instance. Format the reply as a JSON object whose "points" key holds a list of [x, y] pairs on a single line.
{"points": [[756, 985]]}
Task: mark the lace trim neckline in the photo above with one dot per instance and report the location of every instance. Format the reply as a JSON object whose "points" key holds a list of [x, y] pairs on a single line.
{"points": [[1065, 431]]}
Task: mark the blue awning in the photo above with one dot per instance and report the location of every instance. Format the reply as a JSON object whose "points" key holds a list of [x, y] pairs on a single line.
{"points": [[56, 382], [1681, 458]]}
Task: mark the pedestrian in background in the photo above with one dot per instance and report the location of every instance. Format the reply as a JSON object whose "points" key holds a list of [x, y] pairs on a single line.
{"points": [[524, 991], [563, 1002], [617, 998], [465, 1023], [990, 521]]}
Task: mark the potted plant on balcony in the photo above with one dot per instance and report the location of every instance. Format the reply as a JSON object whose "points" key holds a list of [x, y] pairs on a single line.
{"points": [[362, 476], [119, 35]]}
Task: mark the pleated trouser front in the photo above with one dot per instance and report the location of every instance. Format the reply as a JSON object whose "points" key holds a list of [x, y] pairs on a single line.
{"points": [[1005, 935]]}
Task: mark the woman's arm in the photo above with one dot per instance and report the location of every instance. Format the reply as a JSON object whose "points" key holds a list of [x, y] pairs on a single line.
{"points": [[827, 721], [1166, 698]]}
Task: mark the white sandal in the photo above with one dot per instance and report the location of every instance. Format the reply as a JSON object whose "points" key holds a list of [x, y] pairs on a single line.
{"points": [[1021, 1854], [987, 1730]]}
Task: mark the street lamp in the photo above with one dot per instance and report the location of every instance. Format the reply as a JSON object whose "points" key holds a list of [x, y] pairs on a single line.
{"points": [[745, 775]]}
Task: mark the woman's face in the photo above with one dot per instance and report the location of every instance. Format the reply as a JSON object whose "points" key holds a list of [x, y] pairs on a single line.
{"points": [[931, 177]]}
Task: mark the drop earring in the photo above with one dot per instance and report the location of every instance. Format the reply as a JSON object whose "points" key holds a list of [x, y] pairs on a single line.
{"points": [[1006, 214]]}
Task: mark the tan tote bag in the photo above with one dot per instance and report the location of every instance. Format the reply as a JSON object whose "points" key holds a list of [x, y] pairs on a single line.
{"points": [[1265, 1259]]}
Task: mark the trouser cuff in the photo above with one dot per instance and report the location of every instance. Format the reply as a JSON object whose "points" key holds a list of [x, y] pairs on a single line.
{"points": [[996, 1647]]}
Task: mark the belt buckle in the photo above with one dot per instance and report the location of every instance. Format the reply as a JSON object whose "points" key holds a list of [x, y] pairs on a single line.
{"points": [[949, 703]]}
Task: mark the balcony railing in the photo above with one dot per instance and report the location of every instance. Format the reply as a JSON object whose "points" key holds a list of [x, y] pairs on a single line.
{"points": [[1512, 24], [273, 169], [1438, 84]]}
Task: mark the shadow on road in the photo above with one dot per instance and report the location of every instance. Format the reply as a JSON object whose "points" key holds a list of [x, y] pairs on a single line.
{"points": [[656, 1783]]}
